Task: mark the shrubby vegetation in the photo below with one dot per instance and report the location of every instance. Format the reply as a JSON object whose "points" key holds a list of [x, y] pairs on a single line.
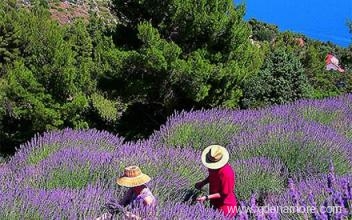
{"points": [[282, 156], [160, 56], [281, 80]]}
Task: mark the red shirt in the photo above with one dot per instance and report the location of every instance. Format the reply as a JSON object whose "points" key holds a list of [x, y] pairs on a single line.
{"points": [[222, 181], [328, 59]]}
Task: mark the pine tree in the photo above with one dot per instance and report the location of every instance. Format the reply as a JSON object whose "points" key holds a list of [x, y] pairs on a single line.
{"points": [[193, 53]]}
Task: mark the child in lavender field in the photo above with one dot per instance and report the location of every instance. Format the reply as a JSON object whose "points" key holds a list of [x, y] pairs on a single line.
{"points": [[138, 194]]}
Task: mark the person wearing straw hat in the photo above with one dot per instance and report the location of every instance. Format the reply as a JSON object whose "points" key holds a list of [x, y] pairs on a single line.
{"points": [[138, 194], [221, 180]]}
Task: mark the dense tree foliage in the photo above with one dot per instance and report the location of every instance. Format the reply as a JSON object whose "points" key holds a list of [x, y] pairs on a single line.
{"points": [[47, 74], [311, 54], [281, 80], [184, 53], [173, 55], [161, 56], [263, 31]]}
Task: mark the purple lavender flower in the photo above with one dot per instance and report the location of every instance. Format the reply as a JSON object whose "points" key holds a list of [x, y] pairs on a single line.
{"points": [[293, 192], [331, 175], [243, 214], [71, 174]]}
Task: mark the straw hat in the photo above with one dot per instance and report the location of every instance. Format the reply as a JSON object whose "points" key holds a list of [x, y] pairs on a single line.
{"points": [[215, 156], [132, 177]]}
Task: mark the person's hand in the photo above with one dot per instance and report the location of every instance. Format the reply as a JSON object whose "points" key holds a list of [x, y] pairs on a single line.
{"points": [[201, 199], [199, 185], [105, 216], [132, 216]]}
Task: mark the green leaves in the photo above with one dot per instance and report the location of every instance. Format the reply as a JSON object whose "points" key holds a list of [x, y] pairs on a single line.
{"points": [[191, 76], [29, 100], [9, 36], [108, 110], [195, 51], [201, 134], [46, 74], [281, 80]]}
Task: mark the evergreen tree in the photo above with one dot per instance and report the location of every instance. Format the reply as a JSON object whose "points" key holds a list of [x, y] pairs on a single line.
{"points": [[46, 84], [281, 80], [10, 43], [183, 54]]}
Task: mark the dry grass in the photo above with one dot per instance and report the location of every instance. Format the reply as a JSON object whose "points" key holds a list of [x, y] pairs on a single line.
{"points": [[65, 12]]}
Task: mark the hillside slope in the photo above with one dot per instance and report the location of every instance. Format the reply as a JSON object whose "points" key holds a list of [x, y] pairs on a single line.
{"points": [[66, 11], [292, 155]]}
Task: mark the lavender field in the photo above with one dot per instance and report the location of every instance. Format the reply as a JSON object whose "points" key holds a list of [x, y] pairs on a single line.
{"points": [[292, 155]]}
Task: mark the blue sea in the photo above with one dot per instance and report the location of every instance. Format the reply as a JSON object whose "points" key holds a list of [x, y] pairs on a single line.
{"points": [[318, 19]]}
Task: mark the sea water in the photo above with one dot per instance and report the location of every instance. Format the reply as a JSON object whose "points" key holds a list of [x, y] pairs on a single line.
{"points": [[318, 19]]}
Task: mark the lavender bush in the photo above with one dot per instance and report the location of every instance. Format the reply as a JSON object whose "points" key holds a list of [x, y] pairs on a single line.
{"points": [[293, 155], [198, 129], [319, 194], [294, 144], [260, 175]]}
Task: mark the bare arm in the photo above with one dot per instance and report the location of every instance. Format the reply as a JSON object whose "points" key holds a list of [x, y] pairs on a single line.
{"points": [[214, 196], [209, 197], [148, 201]]}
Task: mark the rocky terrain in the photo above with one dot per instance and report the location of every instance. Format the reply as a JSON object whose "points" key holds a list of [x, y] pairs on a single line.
{"points": [[66, 11]]}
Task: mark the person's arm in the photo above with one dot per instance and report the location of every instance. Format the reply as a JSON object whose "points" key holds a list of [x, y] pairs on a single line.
{"points": [[227, 185], [148, 201], [206, 180], [200, 184], [209, 197]]}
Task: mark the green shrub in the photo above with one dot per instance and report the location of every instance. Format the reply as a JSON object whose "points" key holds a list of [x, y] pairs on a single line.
{"points": [[321, 116], [42, 153], [199, 135], [65, 178], [281, 80], [28, 214], [257, 177], [297, 156]]}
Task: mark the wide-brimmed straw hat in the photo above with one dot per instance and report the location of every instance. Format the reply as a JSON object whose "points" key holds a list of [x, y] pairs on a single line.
{"points": [[215, 156], [133, 177]]}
